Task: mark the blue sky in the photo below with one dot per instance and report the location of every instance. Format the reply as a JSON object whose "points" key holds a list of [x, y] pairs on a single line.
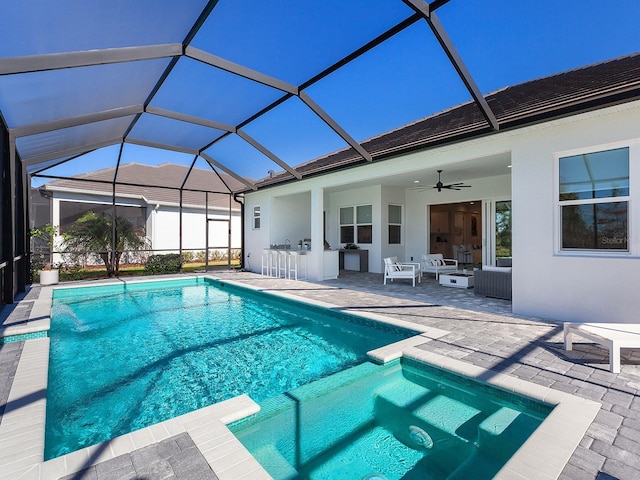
{"points": [[502, 42]]}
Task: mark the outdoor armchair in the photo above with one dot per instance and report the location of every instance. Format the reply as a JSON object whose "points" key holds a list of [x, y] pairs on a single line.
{"points": [[436, 263], [394, 269]]}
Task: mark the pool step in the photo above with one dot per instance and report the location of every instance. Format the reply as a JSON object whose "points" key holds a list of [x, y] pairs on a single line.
{"points": [[446, 414], [503, 431], [275, 464]]}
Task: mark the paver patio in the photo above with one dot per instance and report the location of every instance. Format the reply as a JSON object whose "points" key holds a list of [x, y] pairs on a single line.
{"points": [[482, 332]]}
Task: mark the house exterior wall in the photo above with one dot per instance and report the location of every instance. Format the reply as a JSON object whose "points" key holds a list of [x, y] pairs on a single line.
{"points": [[546, 282], [166, 233], [589, 287]]}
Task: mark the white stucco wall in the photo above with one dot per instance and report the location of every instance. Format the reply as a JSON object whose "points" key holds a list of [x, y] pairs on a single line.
{"points": [[551, 284]]}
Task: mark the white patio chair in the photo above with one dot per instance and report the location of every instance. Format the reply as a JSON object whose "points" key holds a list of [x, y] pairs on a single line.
{"points": [[394, 269], [436, 263]]}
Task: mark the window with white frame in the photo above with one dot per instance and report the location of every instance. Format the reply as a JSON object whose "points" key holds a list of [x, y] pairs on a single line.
{"points": [[356, 224], [256, 218], [395, 224], [594, 201]]}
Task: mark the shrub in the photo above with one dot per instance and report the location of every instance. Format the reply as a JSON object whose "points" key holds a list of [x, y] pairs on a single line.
{"points": [[157, 264], [187, 257]]}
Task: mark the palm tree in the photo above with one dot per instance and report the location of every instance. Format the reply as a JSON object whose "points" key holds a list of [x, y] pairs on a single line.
{"points": [[94, 233]]}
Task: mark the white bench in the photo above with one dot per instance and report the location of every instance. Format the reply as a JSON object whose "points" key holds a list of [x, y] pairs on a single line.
{"points": [[612, 336]]}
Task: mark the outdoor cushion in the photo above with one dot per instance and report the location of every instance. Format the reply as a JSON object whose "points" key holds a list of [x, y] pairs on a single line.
{"points": [[489, 268]]}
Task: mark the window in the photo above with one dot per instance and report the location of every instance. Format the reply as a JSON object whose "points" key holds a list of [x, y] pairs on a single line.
{"points": [[594, 201], [356, 222], [395, 224], [256, 218]]}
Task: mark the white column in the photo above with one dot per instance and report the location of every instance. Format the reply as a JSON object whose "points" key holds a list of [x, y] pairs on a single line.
{"points": [[315, 260]]}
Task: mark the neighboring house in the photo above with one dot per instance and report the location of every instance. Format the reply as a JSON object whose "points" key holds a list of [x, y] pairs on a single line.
{"points": [[155, 211], [565, 160]]}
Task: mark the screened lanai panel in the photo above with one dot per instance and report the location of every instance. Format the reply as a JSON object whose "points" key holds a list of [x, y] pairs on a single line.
{"points": [[98, 159], [140, 154], [293, 40], [166, 131], [40, 97], [406, 78], [204, 91], [565, 38], [82, 25], [301, 134], [236, 154], [45, 167], [203, 177], [78, 138]]}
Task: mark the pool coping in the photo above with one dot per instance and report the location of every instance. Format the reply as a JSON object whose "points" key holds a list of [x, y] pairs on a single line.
{"points": [[543, 455]]}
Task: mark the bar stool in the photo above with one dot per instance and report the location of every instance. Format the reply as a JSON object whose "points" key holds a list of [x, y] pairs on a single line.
{"points": [[295, 264], [283, 258], [265, 267], [273, 263]]}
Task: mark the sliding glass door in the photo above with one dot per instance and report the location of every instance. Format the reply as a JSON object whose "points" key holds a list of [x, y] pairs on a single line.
{"points": [[497, 232]]}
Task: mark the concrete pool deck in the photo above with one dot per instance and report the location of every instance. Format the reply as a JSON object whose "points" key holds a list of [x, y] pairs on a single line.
{"points": [[482, 332]]}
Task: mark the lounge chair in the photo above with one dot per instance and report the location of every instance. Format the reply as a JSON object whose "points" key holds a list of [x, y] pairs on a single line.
{"points": [[612, 336], [394, 269], [436, 263]]}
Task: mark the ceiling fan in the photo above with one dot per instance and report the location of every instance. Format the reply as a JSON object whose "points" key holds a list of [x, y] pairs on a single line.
{"points": [[440, 186]]}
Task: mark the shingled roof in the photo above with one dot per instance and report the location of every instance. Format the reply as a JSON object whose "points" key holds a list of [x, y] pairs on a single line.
{"points": [[579, 90], [140, 180]]}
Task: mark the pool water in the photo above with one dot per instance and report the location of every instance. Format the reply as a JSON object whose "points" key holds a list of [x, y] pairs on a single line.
{"points": [[402, 420], [127, 356]]}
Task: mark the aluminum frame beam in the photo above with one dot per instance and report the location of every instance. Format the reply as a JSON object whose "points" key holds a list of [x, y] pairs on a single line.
{"points": [[69, 122], [183, 117], [161, 146], [58, 61], [421, 7], [334, 126], [214, 163], [69, 152], [258, 146], [241, 70]]}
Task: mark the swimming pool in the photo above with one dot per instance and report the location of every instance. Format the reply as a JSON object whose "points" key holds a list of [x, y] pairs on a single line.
{"points": [[127, 356], [401, 420]]}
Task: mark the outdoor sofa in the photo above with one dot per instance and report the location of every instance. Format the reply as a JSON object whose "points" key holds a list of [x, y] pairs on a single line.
{"points": [[492, 282]]}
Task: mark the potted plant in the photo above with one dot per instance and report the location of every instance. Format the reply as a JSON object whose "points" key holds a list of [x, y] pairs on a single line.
{"points": [[46, 234]]}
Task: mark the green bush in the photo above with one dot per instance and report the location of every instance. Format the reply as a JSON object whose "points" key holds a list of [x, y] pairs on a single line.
{"points": [[169, 263]]}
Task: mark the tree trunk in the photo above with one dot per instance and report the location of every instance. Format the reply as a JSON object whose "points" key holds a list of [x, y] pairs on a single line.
{"points": [[107, 263], [116, 262]]}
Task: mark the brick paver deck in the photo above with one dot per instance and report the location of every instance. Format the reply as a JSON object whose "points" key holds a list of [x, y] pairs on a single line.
{"points": [[483, 332]]}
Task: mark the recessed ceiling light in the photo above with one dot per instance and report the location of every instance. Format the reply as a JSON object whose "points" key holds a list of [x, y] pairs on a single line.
{"points": [[416, 181], [508, 166]]}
